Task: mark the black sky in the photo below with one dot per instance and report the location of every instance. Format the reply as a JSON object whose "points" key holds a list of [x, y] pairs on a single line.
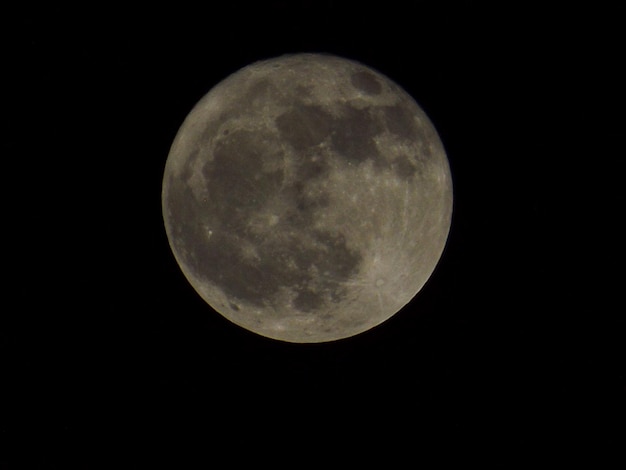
{"points": [[517, 339]]}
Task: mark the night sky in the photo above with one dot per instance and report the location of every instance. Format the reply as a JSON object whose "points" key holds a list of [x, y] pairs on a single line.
{"points": [[516, 341]]}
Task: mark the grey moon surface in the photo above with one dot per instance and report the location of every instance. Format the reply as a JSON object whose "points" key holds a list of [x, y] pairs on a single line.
{"points": [[307, 198]]}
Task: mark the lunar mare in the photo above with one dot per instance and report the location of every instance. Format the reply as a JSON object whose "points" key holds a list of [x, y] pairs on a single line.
{"points": [[307, 198]]}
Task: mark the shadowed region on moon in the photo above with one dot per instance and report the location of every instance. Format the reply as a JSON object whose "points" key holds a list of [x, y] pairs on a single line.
{"points": [[366, 82], [237, 260], [304, 126], [354, 134], [296, 192]]}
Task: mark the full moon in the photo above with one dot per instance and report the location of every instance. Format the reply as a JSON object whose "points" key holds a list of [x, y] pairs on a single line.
{"points": [[307, 198]]}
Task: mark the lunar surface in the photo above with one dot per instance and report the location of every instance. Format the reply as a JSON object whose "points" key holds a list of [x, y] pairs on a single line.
{"points": [[307, 198]]}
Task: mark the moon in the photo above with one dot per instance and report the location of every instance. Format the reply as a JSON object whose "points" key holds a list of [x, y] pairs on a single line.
{"points": [[307, 198]]}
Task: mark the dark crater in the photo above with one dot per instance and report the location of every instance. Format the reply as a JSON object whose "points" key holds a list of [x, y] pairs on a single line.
{"points": [[183, 209], [279, 264], [308, 300], [311, 168], [238, 182], [303, 126], [404, 167], [353, 135], [400, 121], [366, 82]]}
